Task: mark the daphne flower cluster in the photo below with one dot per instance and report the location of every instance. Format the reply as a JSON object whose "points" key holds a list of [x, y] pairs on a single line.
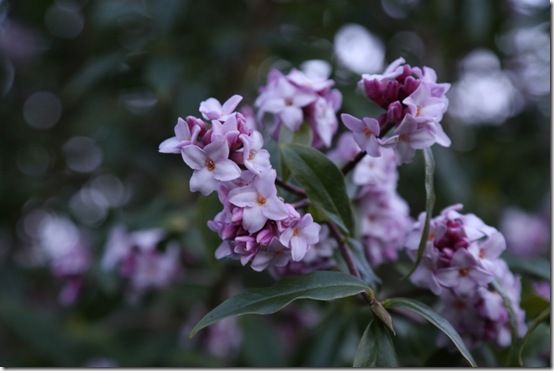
{"points": [[460, 261], [298, 98], [228, 157], [414, 105], [137, 257]]}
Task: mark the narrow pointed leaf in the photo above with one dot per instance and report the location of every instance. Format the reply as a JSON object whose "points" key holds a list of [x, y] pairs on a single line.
{"points": [[543, 317], [375, 348], [537, 267], [366, 272], [429, 204], [324, 285], [435, 319], [323, 182]]}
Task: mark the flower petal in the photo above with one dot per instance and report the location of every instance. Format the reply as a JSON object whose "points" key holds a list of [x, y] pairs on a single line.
{"points": [[253, 219], [226, 170], [170, 145], [202, 180], [194, 157]]}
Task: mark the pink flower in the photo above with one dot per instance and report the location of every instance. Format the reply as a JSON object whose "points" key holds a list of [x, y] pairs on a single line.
{"points": [[464, 274], [186, 132], [211, 165], [255, 158], [345, 150], [212, 109], [260, 202], [413, 134], [424, 106], [377, 172], [301, 236], [365, 131], [282, 98]]}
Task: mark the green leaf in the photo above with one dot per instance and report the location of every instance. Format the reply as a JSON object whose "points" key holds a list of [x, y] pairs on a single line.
{"points": [[537, 267], [324, 285], [302, 136], [375, 348], [323, 182], [429, 204], [326, 339], [543, 317], [435, 319], [366, 272], [513, 321]]}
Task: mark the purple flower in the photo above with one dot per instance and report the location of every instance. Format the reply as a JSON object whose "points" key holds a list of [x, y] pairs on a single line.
{"points": [[153, 269], [377, 172], [460, 260], [464, 274], [489, 251], [260, 202], [323, 120], [384, 224], [186, 132], [365, 131], [526, 234], [345, 150], [136, 257], [211, 165], [275, 255], [301, 236], [212, 109], [255, 158], [301, 98], [281, 98], [424, 106], [414, 105]]}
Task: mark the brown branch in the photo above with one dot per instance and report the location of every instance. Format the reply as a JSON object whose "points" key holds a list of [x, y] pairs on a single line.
{"points": [[347, 256], [289, 187], [352, 163]]}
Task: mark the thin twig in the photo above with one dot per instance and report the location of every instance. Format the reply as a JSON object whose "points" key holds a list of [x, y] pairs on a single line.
{"points": [[289, 187], [303, 203], [345, 252], [352, 163]]}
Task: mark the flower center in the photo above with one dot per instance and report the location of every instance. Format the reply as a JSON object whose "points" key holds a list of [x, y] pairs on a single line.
{"points": [[418, 110], [463, 272], [288, 101], [251, 155], [296, 231], [261, 200], [367, 132], [210, 164], [482, 254]]}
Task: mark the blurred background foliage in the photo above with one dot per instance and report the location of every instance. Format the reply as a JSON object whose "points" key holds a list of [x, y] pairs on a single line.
{"points": [[90, 88]]}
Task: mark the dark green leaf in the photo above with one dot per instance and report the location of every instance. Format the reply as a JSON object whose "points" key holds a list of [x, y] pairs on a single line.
{"points": [[327, 338], [537, 267], [543, 317], [323, 182], [365, 270], [258, 349], [435, 319], [324, 285], [375, 348], [429, 204]]}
